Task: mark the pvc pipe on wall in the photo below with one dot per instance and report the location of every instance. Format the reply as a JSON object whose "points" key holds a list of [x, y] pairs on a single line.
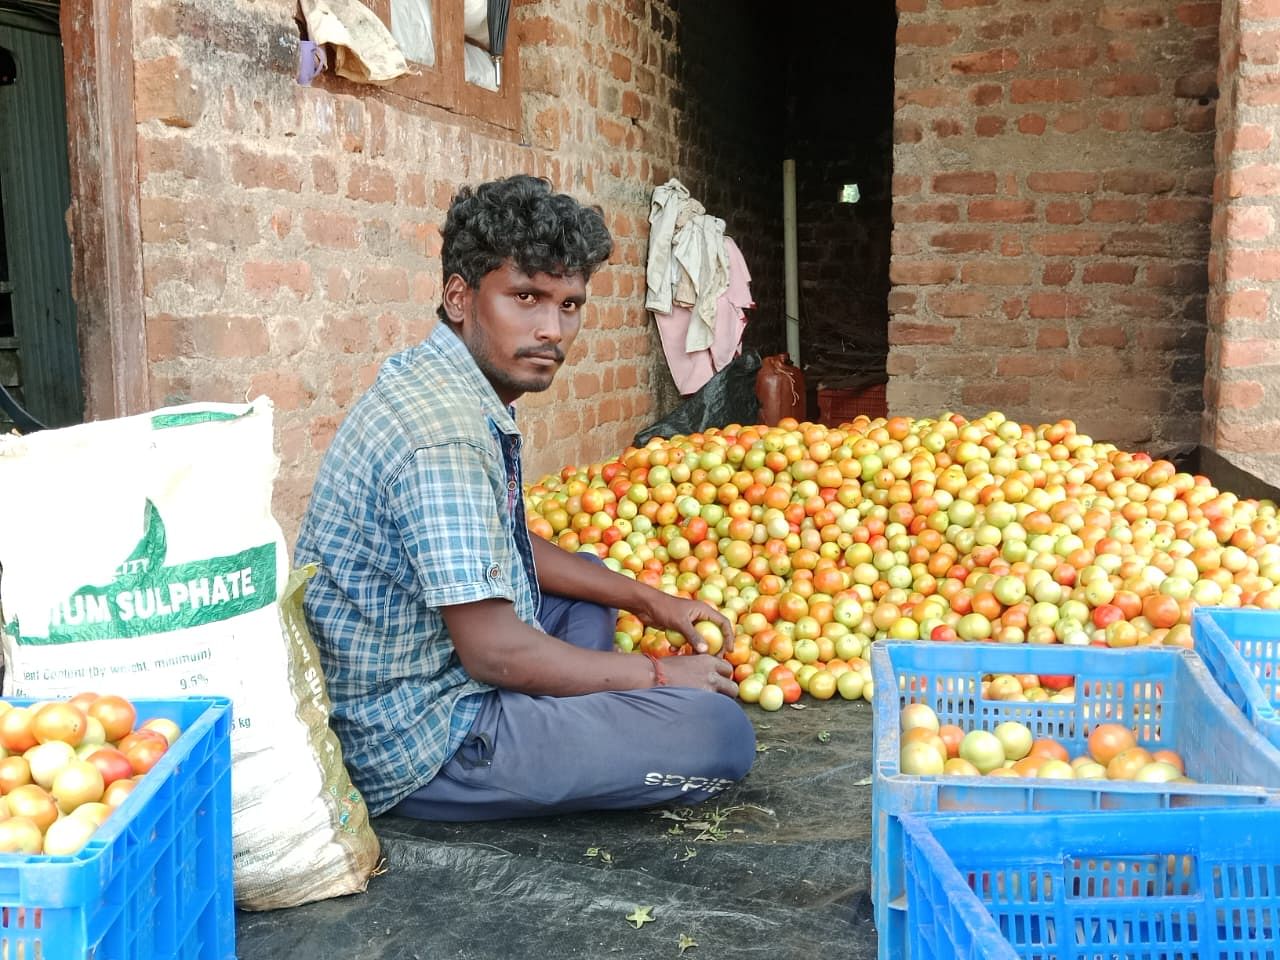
{"points": [[790, 259]]}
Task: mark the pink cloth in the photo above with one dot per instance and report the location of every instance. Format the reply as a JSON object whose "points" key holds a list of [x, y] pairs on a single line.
{"points": [[691, 370]]}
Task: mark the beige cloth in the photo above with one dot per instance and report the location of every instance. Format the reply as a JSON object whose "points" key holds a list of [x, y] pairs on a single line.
{"points": [[364, 50]]}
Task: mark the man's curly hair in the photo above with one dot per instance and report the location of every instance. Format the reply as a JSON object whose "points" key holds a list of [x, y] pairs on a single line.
{"points": [[520, 219]]}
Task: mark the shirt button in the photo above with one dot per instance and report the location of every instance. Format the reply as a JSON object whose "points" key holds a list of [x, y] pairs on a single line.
{"points": [[494, 572], [511, 484]]}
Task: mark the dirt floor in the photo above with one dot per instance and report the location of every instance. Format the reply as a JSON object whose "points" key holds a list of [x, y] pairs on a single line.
{"points": [[778, 868]]}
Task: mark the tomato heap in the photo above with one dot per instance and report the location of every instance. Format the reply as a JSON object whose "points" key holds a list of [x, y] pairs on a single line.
{"points": [[816, 541], [67, 765], [930, 748]]}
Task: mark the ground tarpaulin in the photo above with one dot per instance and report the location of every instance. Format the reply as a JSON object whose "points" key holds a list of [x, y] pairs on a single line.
{"points": [[778, 867]]}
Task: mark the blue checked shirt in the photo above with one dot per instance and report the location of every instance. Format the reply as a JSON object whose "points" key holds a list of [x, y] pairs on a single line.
{"points": [[417, 506]]}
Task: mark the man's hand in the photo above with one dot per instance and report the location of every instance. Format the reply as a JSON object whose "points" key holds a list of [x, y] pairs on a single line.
{"points": [[702, 672], [676, 613]]}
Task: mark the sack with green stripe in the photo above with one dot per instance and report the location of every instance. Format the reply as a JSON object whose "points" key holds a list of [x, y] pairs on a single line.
{"points": [[139, 556]]}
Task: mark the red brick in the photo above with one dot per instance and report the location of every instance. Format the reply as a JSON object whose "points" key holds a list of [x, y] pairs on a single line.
{"points": [[1067, 57], [1080, 243], [1062, 182], [268, 278], [925, 213], [1249, 305], [324, 228], [1259, 90], [961, 4], [371, 184], [1025, 365], [222, 336], [1247, 436], [1251, 137], [1049, 338], [1067, 22], [967, 182], [1058, 273], [903, 333], [1056, 306], [163, 90], [1158, 118], [614, 133], [1127, 85], [1010, 246], [1071, 121], [1256, 180], [986, 334], [252, 169], [1032, 123], [986, 94], [1199, 14], [1109, 272], [1108, 336], [986, 61], [1240, 394], [1252, 265], [1138, 181], [926, 34], [911, 6], [1116, 121], [1114, 211], [960, 242], [1002, 211], [960, 304], [1063, 211], [995, 396], [996, 272], [288, 391], [921, 272], [947, 127], [1179, 210], [989, 126], [631, 107], [620, 67], [1260, 9], [324, 175], [1260, 46], [904, 184], [1249, 353], [1051, 90], [1117, 17]]}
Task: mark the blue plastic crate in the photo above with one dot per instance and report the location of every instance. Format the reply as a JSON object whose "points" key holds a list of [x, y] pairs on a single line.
{"points": [[1241, 648], [1176, 885], [154, 881], [1166, 695]]}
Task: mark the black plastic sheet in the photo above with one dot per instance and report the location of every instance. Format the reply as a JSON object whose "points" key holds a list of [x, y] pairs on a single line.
{"points": [[777, 868], [728, 397]]}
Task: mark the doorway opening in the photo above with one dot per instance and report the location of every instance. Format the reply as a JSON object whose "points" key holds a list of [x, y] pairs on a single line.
{"points": [[39, 352], [839, 131]]}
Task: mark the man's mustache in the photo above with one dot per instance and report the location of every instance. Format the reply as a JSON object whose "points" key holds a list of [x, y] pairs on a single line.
{"points": [[554, 353]]}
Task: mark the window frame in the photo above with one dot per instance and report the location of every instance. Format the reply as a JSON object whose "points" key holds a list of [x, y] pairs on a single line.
{"points": [[444, 84]]}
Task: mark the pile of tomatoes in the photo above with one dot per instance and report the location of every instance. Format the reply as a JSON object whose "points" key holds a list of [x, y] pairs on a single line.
{"points": [[817, 541], [67, 765]]}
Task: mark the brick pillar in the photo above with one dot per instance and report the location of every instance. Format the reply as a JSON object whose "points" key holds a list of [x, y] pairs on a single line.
{"points": [[1242, 349]]}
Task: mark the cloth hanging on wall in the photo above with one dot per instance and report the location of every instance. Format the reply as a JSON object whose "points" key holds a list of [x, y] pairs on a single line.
{"points": [[364, 50], [691, 369]]}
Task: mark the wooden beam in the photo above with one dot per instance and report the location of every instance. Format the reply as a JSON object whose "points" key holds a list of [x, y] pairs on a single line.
{"points": [[106, 238]]}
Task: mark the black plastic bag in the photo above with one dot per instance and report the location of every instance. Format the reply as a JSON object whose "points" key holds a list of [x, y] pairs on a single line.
{"points": [[728, 397]]}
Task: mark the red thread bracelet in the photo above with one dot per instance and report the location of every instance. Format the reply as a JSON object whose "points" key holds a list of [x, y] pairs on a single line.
{"points": [[659, 678]]}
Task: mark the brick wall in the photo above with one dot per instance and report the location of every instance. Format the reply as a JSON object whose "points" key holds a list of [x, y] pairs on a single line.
{"points": [[1242, 385], [290, 234], [1052, 179]]}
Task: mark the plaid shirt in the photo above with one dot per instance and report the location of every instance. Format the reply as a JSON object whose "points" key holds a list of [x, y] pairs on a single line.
{"points": [[417, 506]]}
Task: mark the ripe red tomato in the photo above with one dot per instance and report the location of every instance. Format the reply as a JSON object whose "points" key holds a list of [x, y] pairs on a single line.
{"points": [[146, 753], [112, 764]]}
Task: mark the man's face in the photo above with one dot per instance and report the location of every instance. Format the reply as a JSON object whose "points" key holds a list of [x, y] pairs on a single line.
{"points": [[518, 327]]}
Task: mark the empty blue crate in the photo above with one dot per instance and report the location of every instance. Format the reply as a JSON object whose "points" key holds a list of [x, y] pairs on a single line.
{"points": [[154, 881], [1165, 695], [1175, 885], [1241, 648]]}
